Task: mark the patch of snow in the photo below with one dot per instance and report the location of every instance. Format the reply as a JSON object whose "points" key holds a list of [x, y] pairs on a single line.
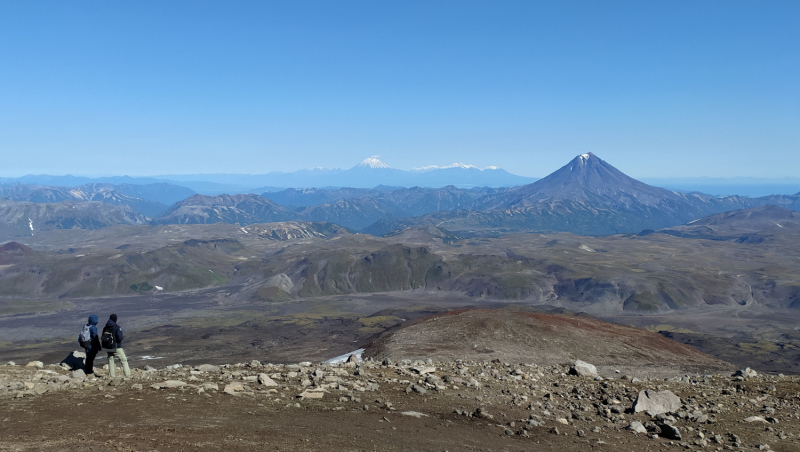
{"points": [[586, 248], [146, 357], [158, 287], [343, 358], [245, 231], [30, 223], [778, 225]]}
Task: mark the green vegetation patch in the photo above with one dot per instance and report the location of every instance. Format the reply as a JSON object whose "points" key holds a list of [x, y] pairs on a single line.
{"points": [[668, 328], [141, 287], [642, 301]]}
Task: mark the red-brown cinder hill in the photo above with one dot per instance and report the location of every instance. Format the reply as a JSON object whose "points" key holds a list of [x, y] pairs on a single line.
{"points": [[543, 339]]}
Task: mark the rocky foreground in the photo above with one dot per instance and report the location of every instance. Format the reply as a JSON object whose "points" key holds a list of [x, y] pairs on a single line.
{"points": [[370, 405]]}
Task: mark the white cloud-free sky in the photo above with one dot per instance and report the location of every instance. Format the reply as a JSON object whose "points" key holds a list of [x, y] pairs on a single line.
{"points": [[658, 88]]}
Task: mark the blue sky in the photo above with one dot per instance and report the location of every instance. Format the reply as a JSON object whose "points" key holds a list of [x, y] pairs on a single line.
{"points": [[658, 89]]}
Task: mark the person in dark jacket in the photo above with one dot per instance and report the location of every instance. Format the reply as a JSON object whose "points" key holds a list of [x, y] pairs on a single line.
{"points": [[118, 352], [94, 345]]}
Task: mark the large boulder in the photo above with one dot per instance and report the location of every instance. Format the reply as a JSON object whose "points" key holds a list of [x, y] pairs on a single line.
{"points": [[746, 373], [207, 368], [266, 381], [75, 360], [583, 369], [233, 388], [637, 427], [657, 402]]}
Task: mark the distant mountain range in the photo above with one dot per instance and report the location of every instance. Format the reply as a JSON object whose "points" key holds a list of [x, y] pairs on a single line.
{"points": [[368, 174], [149, 200], [587, 196]]}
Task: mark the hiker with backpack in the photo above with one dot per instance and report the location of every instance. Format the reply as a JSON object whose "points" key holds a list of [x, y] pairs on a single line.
{"points": [[90, 341], [112, 342]]}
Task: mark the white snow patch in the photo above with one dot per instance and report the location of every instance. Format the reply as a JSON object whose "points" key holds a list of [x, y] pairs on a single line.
{"points": [[245, 231], [158, 287], [778, 225], [30, 223], [343, 358], [145, 357], [586, 248]]}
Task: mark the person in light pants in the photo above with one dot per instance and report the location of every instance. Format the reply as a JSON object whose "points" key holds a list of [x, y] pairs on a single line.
{"points": [[118, 351]]}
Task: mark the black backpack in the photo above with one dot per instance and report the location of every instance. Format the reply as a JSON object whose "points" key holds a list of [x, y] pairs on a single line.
{"points": [[107, 340]]}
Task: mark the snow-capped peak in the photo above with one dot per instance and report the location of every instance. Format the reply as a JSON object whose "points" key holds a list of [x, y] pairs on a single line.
{"points": [[372, 162]]}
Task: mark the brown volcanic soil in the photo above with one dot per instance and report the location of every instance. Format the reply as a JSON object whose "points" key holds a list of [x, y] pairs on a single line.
{"points": [[544, 339], [572, 413]]}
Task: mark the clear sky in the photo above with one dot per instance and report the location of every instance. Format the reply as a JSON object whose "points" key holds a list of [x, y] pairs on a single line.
{"points": [[658, 89]]}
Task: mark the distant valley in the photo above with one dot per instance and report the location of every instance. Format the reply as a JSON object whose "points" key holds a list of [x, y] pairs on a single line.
{"points": [[586, 238]]}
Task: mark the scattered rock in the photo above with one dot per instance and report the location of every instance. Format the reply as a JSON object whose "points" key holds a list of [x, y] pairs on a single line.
{"points": [[168, 384], [37, 364], [746, 373], [75, 360], [670, 432], [79, 374], [422, 370], [266, 381], [207, 368], [233, 388], [637, 427], [657, 402], [756, 419], [415, 414], [311, 394], [483, 414], [583, 369]]}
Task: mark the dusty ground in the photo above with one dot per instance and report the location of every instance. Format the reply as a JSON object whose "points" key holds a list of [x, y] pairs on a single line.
{"points": [[576, 413]]}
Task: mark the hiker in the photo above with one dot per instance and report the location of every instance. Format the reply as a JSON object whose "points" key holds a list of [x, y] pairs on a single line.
{"points": [[112, 341], [90, 341]]}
